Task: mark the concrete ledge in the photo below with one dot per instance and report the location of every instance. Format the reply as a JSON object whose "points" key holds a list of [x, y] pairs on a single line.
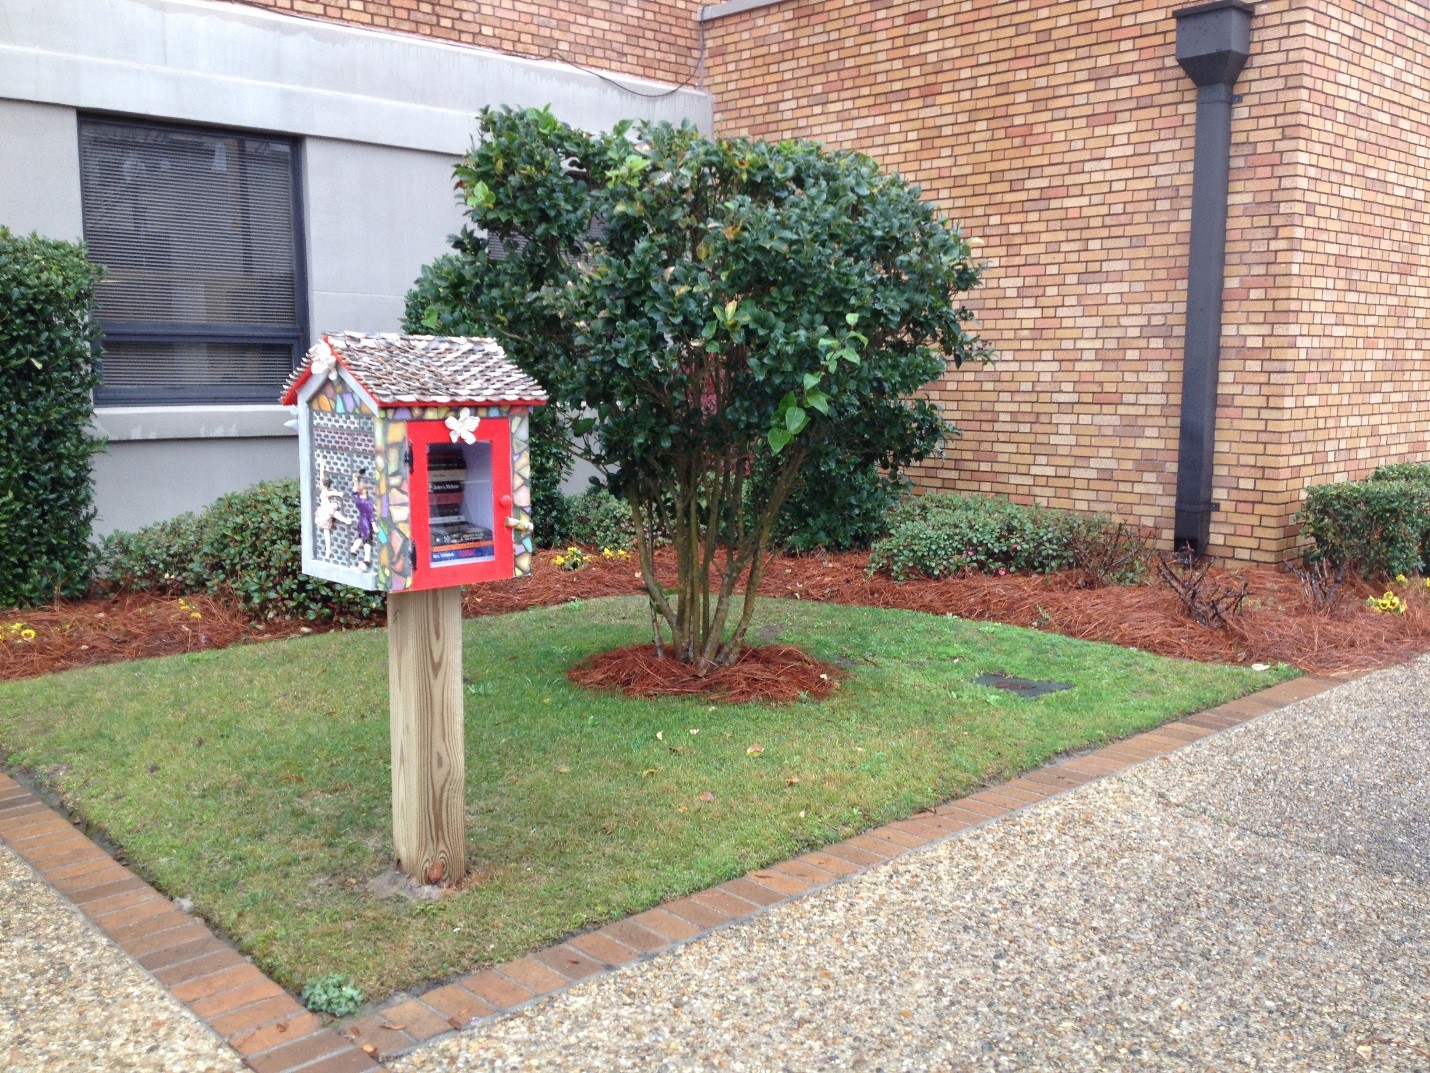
{"points": [[710, 12], [121, 423]]}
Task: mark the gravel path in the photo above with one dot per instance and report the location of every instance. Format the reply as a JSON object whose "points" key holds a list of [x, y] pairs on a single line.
{"points": [[73, 1002], [1255, 902]]}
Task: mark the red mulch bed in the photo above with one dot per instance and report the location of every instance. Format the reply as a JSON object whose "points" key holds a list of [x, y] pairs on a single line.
{"points": [[1276, 625], [774, 673]]}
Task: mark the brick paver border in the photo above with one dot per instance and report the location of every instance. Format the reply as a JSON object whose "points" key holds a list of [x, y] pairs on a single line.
{"points": [[274, 1034]]}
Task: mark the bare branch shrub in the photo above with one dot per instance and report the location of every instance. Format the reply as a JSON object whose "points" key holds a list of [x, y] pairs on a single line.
{"points": [[1210, 602]]}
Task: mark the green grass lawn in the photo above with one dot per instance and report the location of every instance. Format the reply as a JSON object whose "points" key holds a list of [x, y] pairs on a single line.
{"points": [[255, 780]]}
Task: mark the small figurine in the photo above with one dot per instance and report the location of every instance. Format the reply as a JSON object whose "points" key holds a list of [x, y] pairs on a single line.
{"points": [[326, 516], [362, 540]]}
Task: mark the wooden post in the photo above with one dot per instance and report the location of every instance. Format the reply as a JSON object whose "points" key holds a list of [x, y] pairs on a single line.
{"points": [[424, 677]]}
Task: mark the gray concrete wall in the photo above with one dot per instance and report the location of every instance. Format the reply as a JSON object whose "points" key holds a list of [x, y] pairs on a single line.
{"points": [[396, 206], [142, 481], [39, 169], [382, 118]]}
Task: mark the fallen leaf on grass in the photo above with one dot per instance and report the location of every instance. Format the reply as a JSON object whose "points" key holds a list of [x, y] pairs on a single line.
{"points": [[563, 769], [754, 750], [792, 780], [707, 796], [648, 772]]}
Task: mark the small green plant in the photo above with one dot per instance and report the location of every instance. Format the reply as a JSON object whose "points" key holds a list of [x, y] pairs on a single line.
{"points": [[598, 519], [19, 632], [1390, 603], [332, 994], [573, 558]]}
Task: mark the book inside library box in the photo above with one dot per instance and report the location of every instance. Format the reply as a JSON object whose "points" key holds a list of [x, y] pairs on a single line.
{"points": [[459, 479]]}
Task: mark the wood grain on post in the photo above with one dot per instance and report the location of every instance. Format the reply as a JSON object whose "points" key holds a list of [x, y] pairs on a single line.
{"points": [[424, 661]]}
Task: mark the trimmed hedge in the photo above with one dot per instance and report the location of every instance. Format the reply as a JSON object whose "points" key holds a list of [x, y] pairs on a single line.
{"points": [[245, 546], [939, 535], [1415, 472], [1378, 528], [598, 519], [47, 374]]}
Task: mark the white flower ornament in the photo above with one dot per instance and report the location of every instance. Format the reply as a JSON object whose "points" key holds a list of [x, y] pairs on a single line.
{"points": [[325, 363], [464, 426]]}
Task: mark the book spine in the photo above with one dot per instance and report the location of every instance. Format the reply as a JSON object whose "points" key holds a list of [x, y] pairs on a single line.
{"points": [[445, 556], [466, 545]]}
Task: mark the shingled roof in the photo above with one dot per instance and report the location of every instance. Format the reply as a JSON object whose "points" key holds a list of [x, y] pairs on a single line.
{"points": [[405, 370]]}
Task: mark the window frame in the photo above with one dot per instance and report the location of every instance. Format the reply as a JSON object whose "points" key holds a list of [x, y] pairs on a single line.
{"points": [[137, 331]]}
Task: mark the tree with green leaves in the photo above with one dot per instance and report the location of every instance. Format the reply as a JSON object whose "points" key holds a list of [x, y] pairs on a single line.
{"points": [[712, 315]]}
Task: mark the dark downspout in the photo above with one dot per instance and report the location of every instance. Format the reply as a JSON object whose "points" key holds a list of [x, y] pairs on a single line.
{"points": [[1213, 43]]}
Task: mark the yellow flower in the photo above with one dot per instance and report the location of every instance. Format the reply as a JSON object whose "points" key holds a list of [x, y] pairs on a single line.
{"points": [[1400, 579], [28, 634]]}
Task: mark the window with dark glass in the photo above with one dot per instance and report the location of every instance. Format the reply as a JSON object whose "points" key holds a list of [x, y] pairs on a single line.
{"points": [[200, 235]]}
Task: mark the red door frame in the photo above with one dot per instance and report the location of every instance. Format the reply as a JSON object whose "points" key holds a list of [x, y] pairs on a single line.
{"points": [[421, 434]]}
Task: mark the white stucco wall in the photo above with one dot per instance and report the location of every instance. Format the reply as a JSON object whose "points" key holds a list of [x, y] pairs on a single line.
{"points": [[382, 118], [39, 169], [401, 204]]}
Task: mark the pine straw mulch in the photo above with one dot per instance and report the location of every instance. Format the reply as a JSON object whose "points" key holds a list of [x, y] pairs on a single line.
{"points": [[1276, 624], [772, 673]]}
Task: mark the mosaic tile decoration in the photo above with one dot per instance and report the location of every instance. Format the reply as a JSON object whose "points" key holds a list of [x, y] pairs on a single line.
{"points": [[521, 493], [343, 453], [393, 540]]}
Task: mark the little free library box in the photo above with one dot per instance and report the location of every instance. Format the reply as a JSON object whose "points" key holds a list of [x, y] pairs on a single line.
{"points": [[415, 463], [416, 468]]}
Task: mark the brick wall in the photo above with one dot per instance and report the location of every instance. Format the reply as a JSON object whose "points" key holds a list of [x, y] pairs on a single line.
{"points": [[1061, 133], [652, 38], [1358, 270]]}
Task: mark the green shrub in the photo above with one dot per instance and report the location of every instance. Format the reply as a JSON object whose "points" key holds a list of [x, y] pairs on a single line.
{"points": [[939, 535], [599, 520], [1415, 472], [838, 505], [158, 558], [332, 994], [246, 546], [47, 372], [1378, 528]]}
